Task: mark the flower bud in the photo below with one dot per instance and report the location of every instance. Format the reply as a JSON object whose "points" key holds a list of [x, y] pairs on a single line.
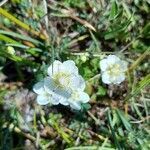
{"points": [[10, 50]]}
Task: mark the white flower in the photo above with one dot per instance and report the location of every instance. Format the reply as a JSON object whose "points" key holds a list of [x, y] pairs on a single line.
{"points": [[65, 75], [58, 93], [77, 98], [60, 85], [113, 70]]}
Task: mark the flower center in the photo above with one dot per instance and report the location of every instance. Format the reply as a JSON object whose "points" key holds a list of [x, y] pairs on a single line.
{"points": [[114, 69], [62, 79]]}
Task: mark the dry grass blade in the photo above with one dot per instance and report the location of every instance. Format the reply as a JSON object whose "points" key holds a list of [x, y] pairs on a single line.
{"points": [[138, 61], [3, 2], [74, 17]]}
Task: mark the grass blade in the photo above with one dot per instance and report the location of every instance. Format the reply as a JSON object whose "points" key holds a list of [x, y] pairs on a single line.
{"points": [[112, 131], [143, 83], [7, 39], [20, 23], [20, 36], [124, 120]]}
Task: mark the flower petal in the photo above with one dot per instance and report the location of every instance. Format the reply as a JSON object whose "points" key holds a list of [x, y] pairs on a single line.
{"points": [[49, 85], [59, 95], [75, 105], [55, 100], [106, 78], [39, 87], [64, 101], [120, 78], [77, 82], [79, 97], [55, 67], [112, 59], [70, 67], [84, 97], [103, 65], [42, 100]]}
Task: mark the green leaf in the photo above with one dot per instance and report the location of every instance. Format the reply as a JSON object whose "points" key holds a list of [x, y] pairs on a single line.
{"points": [[114, 10], [101, 91], [20, 36], [7, 39], [85, 106], [18, 45], [95, 41], [20, 23], [112, 130], [18, 59], [115, 32], [143, 83], [146, 30], [124, 119]]}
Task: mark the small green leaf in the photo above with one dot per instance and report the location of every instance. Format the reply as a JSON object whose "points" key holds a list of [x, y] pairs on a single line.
{"points": [[114, 10], [8, 39], [85, 106], [124, 120], [143, 83], [117, 31], [20, 36], [146, 30], [117, 144], [101, 91]]}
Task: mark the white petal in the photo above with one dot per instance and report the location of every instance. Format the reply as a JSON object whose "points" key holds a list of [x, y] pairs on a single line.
{"points": [[59, 98], [55, 67], [79, 96], [120, 78], [64, 101], [75, 105], [117, 79], [81, 83], [39, 87], [42, 100], [59, 95], [77, 82], [112, 59], [49, 85], [70, 67], [55, 100], [84, 97], [63, 92], [113, 79], [103, 65], [106, 78]]}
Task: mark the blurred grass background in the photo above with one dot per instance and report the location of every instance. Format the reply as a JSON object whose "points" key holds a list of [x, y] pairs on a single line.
{"points": [[33, 33]]}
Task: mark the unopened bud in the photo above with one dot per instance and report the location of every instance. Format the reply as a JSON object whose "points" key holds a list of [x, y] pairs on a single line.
{"points": [[10, 50]]}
